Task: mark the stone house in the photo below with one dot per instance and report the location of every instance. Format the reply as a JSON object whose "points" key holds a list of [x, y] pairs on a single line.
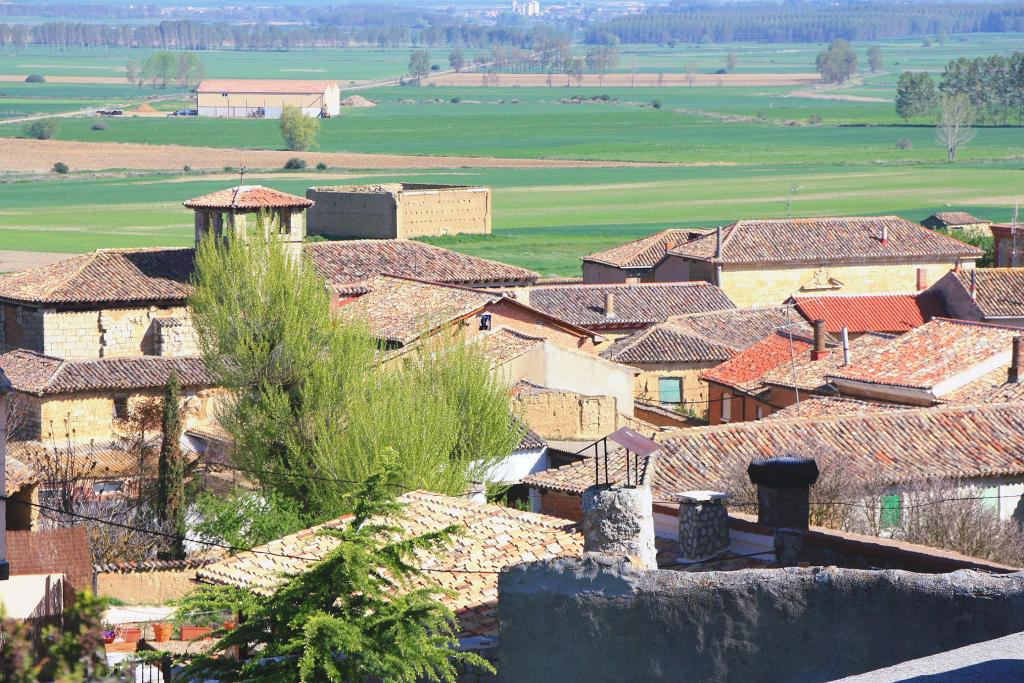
{"points": [[958, 221], [635, 261], [994, 295], [1009, 245], [764, 262]]}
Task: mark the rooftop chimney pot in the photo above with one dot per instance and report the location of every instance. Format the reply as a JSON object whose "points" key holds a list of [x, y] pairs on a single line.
{"points": [[1016, 376], [922, 279], [846, 346], [783, 490], [974, 285], [609, 304], [619, 521], [819, 351], [884, 235], [718, 242]]}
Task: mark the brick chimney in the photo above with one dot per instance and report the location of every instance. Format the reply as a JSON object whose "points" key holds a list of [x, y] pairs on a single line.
{"points": [[819, 351], [783, 490], [703, 525], [1016, 373], [922, 279], [609, 304], [718, 242], [619, 521]]}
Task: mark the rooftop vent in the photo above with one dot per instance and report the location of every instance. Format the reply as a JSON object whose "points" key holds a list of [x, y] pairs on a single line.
{"points": [[783, 490]]}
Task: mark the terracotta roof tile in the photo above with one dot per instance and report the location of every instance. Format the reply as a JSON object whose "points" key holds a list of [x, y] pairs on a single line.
{"points": [[999, 292], [896, 446], [810, 375], [645, 252], [991, 388], [746, 370], [259, 86], [931, 354], [495, 537], [52, 551], [504, 344], [635, 304], [92, 460], [17, 475], [824, 240], [250, 198], [833, 406], [34, 373], [859, 313]]}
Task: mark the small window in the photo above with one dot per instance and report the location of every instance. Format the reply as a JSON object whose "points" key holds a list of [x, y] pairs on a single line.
{"points": [[759, 411], [485, 321], [670, 389], [726, 406], [120, 407], [107, 487], [892, 511]]}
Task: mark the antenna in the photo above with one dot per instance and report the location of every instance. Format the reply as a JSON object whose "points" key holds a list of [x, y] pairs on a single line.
{"points": [[793, 189], [241, 175]]}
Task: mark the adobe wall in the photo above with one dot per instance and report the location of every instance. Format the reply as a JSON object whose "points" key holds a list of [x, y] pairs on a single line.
{"points": [[108, 333], [444, 211], [146, 587], [21, 327], [352, 215], [568, 416], [813, 624]]}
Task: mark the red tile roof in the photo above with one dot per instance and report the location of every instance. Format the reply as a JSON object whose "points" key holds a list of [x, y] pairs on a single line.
{"points": [[937, 351], [746, 370], [645, 252], [248, 197], [859, 313], [52, 551], [825, 240], [17, 474], [256, 86], [833, 406], [807, 374]]}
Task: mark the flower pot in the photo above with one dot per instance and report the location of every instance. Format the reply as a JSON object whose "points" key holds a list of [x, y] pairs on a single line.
{"points": [[230, 625], [161, 632], [195, 632], [121, 647], [107, 640], [130, 635]]}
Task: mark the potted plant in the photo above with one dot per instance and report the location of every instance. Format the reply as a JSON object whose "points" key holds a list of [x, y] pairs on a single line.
{"points": [[230, 625], [195, 632], [108, 634], [161, 632], [130, 634]]}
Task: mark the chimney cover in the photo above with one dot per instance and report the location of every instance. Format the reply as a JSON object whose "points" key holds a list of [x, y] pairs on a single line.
{"points": [[783, 471]]}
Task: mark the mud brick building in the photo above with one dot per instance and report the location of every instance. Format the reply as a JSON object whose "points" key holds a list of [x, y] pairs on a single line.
{"points": [[399, 211], [958, 222], [636, 261]]}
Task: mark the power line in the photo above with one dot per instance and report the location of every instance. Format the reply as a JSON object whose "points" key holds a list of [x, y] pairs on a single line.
{"points": [[861, 504]]}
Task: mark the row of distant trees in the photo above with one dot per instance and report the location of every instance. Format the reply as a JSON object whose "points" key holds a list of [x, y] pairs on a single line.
{"points": [[764, 22], [185, 69], [992, 86]]}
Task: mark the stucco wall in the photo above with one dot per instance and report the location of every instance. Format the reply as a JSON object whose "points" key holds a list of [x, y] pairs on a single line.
{"points": [[602, 274], [695, 390], [591, 375], [743, 408], [142, 587], [815, 624], [504, 313]]}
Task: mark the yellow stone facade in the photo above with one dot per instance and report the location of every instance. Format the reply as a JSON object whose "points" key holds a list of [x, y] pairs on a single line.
{"points": [[695, 390]]}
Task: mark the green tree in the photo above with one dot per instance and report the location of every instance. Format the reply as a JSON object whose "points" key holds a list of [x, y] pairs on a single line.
{"points": [[875, 61], [170, 498], [954, 128], [419, 64], [456, 60], [160, 68], [311, 408], [837, 63], [245, 518], [190, 70], [42, 129], [915, 95], [342, 619], [298, 130]]}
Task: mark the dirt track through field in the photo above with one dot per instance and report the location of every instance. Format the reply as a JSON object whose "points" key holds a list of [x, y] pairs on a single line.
{"points": [[466, 79], [11, 261], [39, 156]]}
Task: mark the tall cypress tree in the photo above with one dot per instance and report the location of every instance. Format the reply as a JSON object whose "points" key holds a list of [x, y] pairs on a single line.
{"points": [[171, 474]]}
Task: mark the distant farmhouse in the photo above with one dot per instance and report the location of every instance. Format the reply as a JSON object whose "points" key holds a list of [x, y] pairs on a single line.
{"points": [[266, 99], [399, 211], [958, 222]]}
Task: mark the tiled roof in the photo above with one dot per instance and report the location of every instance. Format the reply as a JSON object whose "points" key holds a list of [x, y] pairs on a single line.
{"points": [[896, 313], [494, 537], [747, 369], [825, 240], [151, 275], [810, 375], [930, 354], [92, 460], [105, 276], [353, 260], [531, 440], [400, 310], [699, 337], [257, 86], [248, 197], [34, 373], [52, 551], [952, 218], [999, 292], [645, 252], [832, 406], [17, 475], [502, 344], [153, 565], [635, 304], [991, 388], [895, 446]]}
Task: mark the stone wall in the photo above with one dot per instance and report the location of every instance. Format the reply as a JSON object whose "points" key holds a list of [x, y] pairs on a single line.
{"points": [[107, 333], [616, 623], [22, 328], [174, 337], [444, 211], [565, 415]]}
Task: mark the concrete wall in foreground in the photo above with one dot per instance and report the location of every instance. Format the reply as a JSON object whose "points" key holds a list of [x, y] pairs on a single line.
{"points": [[613, 623]]}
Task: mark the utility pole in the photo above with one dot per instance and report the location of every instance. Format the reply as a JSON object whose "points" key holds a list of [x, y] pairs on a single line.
{"points": [[793, 189]]}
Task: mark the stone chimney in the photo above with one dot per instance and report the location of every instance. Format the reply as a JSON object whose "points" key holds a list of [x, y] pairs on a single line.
{"points": [[619, 521], [1015, 375], [703, 525], [609, 304], [783, 490], [819, 351], [922, 279]]}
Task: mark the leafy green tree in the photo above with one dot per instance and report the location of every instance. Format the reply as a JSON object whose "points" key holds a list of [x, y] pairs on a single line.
{"points": [[419, 64], [298, 130], [915, 95], [954, 128], [342, 619], [311, 406], [837, 63], [190, 70], [455, 60], [875, 61], [160, 68], [245, 518], [43, 129], [170, 499]]}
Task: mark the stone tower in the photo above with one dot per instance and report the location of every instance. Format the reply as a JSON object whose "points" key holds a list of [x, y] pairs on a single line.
{"points": [[230, 210]]}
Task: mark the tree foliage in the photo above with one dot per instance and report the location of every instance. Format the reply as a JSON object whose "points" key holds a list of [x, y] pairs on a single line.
{"points": [[838, 62], [955, 125], [419, 64], [43, 129], [312, 409], [355, 615], [171, 470], [298, 130], [875, 61], [456, 60], [915, 95], [993, 85], [245, 518]]}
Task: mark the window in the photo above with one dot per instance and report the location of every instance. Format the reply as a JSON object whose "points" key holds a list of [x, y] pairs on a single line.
{"points": [[892, 511], [485, 321], [107, 487], [759, 411], [120, 407], [670, 389], [726, 406]]}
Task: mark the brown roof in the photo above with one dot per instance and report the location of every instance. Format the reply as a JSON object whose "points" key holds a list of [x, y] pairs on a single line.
{"points": [[105, 276], [645, 252], [991, 388], [52, 551], [17, 475], [34, 373], [810, 375], [825, 240], [635, 304], [951, 219], [999, 292], [92, 460], [833, 406], [700, 337], [503, 344], [936, 352], [896, 446], [859, 313], [747, 369], [494, 537], [256, 86], [248, 197]]}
